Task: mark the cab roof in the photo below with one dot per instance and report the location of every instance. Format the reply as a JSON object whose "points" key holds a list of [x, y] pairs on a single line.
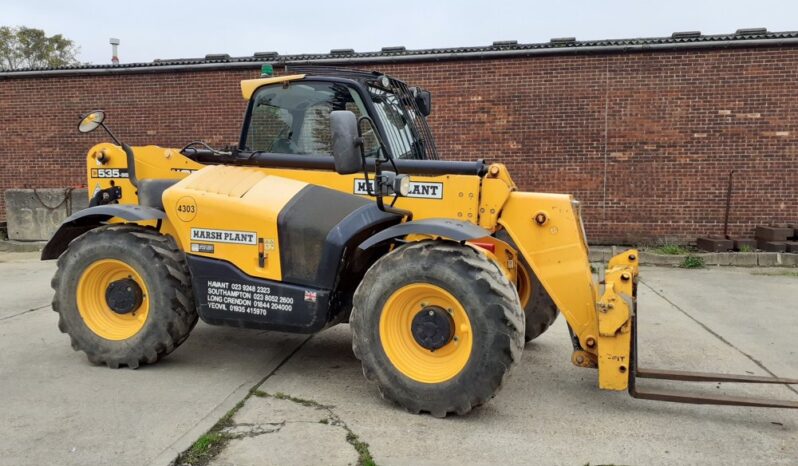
{"points": [[248, 86], [298, 72]]}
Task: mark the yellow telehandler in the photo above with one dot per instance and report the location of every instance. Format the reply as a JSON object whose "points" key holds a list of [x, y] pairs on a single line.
{"points": [[333, 208]]}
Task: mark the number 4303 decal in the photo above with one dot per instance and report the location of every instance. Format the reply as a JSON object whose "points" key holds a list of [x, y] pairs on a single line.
{"points": [[186, 208]]}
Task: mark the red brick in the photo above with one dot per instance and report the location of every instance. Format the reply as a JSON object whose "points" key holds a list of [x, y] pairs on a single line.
{"points": [[616, 130]]}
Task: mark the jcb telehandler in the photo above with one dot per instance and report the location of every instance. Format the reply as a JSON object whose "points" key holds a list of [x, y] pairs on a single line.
{"points": [[334, 208]]}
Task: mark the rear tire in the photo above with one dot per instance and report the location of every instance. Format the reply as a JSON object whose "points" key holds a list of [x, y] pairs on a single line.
{"points": [[160, 322], [486, 319]]}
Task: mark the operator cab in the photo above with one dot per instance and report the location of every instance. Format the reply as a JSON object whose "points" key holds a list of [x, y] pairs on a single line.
{"points": [[287, 123], [291, 114]]}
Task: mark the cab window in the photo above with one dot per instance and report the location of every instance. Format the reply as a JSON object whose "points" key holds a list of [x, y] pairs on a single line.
{"points": [[295, 119]]}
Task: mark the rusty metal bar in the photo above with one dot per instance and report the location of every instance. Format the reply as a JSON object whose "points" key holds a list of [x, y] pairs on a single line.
{"points": [[686, 376], [681, 397]]}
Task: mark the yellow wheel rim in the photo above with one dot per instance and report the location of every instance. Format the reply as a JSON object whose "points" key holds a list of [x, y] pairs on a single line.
{"points": [[524, 286], [95, 311], [405, 353]]}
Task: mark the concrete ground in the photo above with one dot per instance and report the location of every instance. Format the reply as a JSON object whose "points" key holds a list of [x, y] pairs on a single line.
{"points": [[315, 407], [57, 408]]}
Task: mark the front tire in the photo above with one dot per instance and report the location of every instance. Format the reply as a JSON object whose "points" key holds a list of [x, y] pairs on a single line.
{"points": [[401, 335], [123, 295], [540, 312]]}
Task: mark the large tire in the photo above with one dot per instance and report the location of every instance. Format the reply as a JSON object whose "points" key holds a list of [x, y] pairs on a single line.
{"points": [[486, 317], [540, 312], [166, 313]]}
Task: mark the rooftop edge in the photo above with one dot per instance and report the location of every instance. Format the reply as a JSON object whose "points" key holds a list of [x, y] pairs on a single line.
{"points": [[751, 37]]}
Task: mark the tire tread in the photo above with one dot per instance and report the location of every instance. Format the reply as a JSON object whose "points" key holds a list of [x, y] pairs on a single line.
{"points": [[169, 264], [487, 279]]}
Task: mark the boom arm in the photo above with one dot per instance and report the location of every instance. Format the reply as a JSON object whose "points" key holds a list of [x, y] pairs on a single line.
{"points": [[548, 232]]}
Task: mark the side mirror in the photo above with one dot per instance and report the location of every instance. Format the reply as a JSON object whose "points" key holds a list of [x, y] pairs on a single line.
{"points": [[423, 101], [346, 142], [91, 121]]}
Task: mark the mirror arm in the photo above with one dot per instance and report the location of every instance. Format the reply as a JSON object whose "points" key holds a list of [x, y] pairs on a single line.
{"points": [[378, 189], [378, 161], [397, 210], [107, 130], [383, 147]]}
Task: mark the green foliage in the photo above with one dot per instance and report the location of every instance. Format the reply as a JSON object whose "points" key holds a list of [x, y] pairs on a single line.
{"points": [[671, 250], [283, 396], [211, 443], [204, 449], [362, 448], [202, 446], [746, 248], [22, 47], [692, 262]]}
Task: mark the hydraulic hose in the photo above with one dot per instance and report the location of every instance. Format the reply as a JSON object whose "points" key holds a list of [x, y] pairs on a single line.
{"points": [[131, 165]]}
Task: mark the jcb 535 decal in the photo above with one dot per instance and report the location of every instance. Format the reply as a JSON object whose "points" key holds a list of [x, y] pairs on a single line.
{"points": [[109, 173]]}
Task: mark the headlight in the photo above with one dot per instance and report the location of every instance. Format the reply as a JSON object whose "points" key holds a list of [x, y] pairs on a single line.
{"points": [[401, 185]]}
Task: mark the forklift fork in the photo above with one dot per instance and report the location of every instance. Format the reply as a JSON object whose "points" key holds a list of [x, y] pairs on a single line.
{"points": [[638, 372]]}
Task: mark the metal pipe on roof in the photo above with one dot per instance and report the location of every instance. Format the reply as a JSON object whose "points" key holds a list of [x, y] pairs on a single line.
{"points": [[418, 56], [135, 69], [557, 51]]}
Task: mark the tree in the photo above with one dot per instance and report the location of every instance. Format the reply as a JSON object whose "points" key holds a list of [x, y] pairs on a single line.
{"points": [[22, 47]]}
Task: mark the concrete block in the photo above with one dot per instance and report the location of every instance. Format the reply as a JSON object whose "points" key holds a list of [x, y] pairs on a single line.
{"points": [[34, 215], [718, 258], [771, 246], [769, 259], [21, 246], [648, 258], [789, 260], [714, 244], [773, 233], [600, 254], [792, 246], [744, 259]]}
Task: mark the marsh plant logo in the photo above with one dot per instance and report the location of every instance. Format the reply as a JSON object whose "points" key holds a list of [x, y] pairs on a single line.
{"points": [[418, 189], [223, 236]]}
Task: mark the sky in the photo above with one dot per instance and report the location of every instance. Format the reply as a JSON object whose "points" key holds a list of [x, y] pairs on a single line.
{"points": [[183, 29]]}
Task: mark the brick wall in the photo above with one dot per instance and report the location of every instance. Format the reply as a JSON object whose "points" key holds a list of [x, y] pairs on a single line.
{"points": [[645, 140]]}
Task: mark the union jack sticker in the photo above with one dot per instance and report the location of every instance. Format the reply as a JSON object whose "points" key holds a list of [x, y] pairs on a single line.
{"points": [[310, 296]]}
